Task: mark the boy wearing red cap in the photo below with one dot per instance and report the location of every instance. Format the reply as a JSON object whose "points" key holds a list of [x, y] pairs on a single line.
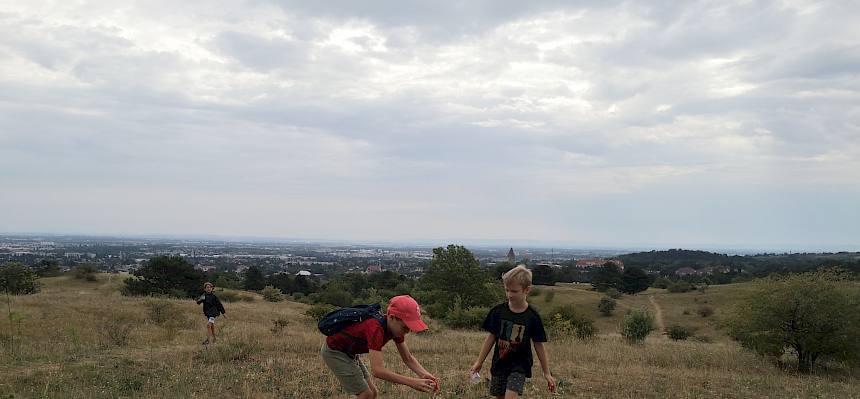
{"points": [[340, 351]]}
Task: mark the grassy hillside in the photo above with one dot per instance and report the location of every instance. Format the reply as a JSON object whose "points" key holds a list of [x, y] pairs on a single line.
{"points": [[84, 340]]}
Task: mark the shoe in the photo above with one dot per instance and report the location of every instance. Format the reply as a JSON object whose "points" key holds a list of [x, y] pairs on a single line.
{"points": [[206, 342]]}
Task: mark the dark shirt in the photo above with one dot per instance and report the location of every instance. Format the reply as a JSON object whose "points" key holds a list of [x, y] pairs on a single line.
{"points": [[361, 337], [212, 307], [514, 335]]}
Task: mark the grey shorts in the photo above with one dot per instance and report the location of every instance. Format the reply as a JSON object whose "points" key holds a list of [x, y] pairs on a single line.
{"points": [[511, 382], [351, 372]]}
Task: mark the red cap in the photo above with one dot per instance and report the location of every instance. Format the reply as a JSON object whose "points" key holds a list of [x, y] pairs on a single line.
{"points": [[405, 308]]}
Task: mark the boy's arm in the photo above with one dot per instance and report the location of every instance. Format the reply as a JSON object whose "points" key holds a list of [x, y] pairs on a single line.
{"points": [[220, 306], [201, 298], [544, 365], [411, 362], [485, 350], [377, 368]]}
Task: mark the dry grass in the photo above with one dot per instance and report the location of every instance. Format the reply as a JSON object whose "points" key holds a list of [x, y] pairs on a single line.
{"points": [[64, 354]]}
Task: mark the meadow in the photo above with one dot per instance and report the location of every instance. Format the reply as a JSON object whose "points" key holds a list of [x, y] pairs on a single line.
{"points": [[80, 339]]}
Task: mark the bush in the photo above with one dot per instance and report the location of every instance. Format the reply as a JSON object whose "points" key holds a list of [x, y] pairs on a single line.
{"points": [[613, 293], [705, 311], [316, 312], [116, 329], [272, 294], [235, 351], [17, 279], [471, 318], [84, 272], [637, 325], [606, 306], [535, 291], [661, 282], [814, 316], [680, 286], [165, 275], [167, 315], [233, 296], [679, 333], [566, 321], [336, 297], [550, 295], [279, 324]]}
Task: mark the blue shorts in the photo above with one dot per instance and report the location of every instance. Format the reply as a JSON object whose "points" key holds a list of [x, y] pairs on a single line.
{"points": [[511, 382]]}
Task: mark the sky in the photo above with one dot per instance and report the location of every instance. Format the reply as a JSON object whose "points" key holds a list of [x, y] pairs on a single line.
{"points": [[643, 123]]}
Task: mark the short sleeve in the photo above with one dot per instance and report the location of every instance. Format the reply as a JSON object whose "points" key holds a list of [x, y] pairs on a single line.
{"points": [[491, 322], [539, 334], [375, 335]]}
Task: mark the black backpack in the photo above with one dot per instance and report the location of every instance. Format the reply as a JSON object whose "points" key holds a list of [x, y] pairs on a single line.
{"points": [[336, 320]]}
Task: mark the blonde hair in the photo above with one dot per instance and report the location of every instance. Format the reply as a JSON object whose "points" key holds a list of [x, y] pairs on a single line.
{"points": [[208, 283], [520, 275]]}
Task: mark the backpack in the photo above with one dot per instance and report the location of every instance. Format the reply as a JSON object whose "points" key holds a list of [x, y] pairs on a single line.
{"points": [[336, 320]]}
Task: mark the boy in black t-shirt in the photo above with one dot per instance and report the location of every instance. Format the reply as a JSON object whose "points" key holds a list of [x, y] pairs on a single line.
{"points": [[212, 308], [512, 327]]}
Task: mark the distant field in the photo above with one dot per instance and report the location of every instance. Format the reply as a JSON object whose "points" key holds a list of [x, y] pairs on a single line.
{"points": [[69, 346]]}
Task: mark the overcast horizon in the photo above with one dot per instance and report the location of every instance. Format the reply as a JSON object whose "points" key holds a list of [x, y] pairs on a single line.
{"points": [[732, 124]]}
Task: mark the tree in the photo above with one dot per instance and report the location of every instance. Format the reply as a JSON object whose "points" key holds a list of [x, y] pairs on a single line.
{"points": [[501, 268], [606, 306], [812, 316], [48, 268], [165, 275], [543, 275], [634, 280], [84, 272], [17, 279], [607, 276], [255, 280], [637, 325], [455, 272]]}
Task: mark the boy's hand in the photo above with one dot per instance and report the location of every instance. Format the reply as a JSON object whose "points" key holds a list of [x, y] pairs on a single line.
{"points": [[435, 381], [422, 384], [202, 297], [475, 368], [550, 383]]}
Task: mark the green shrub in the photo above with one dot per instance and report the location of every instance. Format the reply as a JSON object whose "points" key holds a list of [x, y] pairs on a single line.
{"points": [[535, 291], [680, 286], [235, 351], [272, 294], [17, 279], [613, 293], [279, 324], [636, 325], [606, 306], [316, 312], [550, 295], [471, 318], [116, 329], [566, 321], [234, 296], [679, 333], [84, 272]]}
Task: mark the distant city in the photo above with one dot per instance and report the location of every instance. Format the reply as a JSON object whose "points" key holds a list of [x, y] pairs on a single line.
{"points": [[124, 254]]}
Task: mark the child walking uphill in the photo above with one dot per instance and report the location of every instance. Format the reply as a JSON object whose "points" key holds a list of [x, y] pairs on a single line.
{"points": [[212, 308], [512, 327], [341, 349]]}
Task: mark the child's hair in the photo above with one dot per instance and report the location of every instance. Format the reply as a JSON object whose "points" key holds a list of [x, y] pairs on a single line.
{"points": [[520, 275], [208, 284]]}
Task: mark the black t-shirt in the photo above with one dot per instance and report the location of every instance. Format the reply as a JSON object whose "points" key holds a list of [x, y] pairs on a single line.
{"points": [[514, 335]]}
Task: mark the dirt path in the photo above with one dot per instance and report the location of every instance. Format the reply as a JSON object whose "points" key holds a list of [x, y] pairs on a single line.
{"points": [[658, 314]]}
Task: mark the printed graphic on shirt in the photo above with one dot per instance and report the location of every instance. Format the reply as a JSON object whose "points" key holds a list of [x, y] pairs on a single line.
{"points": [[510, 338]]}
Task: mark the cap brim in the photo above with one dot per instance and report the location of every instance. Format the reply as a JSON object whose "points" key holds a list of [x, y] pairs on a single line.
{"points": [[415, 325]]}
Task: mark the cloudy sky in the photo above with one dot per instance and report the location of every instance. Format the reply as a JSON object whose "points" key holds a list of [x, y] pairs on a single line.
{"points": [[661, 124]]}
